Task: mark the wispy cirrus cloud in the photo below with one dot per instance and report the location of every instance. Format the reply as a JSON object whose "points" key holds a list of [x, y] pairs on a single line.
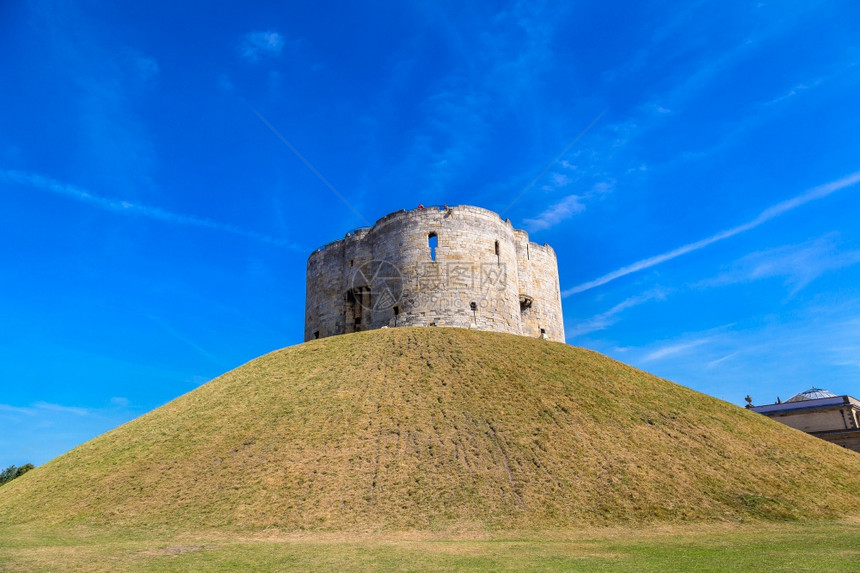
{"points": [[789, 94], [799, 265], [557, 180], [139, 66], [673, 349], [7, 410], [47, 406], [179, 336], [771, 212], [39, 431], [496, 62], [606, 319], [835, 71], [147, 68], [123, 207], [38, 408], [555, 214], [567, 207], [256, 45], [786, 355], [720, 360]]}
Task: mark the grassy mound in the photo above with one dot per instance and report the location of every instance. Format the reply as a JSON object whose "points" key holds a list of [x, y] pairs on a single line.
{"points": [[438, 429]]}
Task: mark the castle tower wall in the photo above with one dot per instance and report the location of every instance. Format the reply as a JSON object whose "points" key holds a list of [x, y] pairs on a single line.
{"points": [[460, 266], [545, 316], [526, 294]]}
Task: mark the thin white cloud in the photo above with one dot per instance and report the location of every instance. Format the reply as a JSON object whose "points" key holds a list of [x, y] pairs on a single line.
{"points": [[818, 346], [770, 213], [128, 208], [138, 66], [258, 44], [514, 46], [41, 407], [147, 68], [789, 94], [46, 406], [560, 180], [6, 408], [41, 431], [564, 209], [568, 206], [713, 363], [225, 84], [836, 70], [798, 264], [606, 319], [673, 349], [176, 334]]}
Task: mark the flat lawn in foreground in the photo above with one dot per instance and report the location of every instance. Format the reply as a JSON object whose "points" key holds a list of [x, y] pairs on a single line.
{"points": [[790, 547]]}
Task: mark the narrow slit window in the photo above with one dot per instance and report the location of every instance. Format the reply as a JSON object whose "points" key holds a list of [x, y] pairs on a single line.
{"points": [[497, 248], [432, 242]]}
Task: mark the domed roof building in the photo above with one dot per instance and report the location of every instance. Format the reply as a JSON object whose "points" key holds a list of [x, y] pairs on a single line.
{"points": [[811, 394], [820, 413]]}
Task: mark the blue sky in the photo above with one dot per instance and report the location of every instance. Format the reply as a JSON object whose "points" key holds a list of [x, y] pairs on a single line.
{"points": [[695, 166]]}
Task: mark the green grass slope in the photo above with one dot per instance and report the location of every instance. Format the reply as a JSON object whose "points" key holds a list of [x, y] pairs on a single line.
{"points": [[438, 429]]}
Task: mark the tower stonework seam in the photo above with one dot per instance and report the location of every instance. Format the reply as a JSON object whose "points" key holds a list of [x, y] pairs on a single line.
{"points": [[457, 266]]}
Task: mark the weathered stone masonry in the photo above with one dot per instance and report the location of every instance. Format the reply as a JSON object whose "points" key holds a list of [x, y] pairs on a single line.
{"points": [[458, 266]]}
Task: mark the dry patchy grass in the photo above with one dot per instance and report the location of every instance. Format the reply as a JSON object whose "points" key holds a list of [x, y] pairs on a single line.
{"points": [[444, 430], [795, 547]]}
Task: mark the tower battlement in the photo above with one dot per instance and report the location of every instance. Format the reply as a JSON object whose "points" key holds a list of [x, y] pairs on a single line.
{"points": [[457, 266]]}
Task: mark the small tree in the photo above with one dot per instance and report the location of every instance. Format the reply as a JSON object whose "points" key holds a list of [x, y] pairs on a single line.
{"points": [[23, 469], [13, 472], [8, 474]]}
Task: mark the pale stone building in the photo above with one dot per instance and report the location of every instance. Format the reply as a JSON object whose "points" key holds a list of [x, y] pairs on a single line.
{"points": [[457, 266], [820, 413]]}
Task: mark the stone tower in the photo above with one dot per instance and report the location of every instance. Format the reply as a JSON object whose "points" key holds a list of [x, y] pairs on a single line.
{"points": [[454, 266]]}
